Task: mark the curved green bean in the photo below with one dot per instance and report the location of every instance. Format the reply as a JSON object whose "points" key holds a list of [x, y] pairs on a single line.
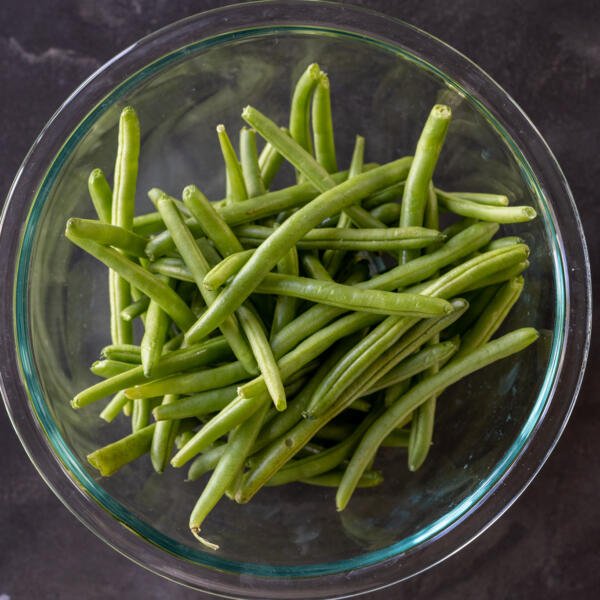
{"points": [[109, 235], [495, 214], [135, 309], [300, 107], [249, 163], [322, 125]]}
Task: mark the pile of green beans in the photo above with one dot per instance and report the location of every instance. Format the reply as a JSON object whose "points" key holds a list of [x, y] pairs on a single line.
{"points": [[287, 335]]}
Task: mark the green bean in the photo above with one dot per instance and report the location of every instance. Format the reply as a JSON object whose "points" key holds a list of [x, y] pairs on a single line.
{"points": [[112, 410], [264, 355], [227, 469], [369, 479], [122, 211], [508, 344], [336, 432], [233, 169], [477, 304], [458, 227], [140, 415], [101, 195], [183, 438], [190, 383], [155, 334], [492, 316], [423, 419], [496, 214], [394, 391], [227, 268], [139, 277], [285, 306], [300, 107], [502, 242], [295, 227], [109, 367], [112, 457], [487, 199], [351, 239], [206, 462], [416, 189], [501, 275], [148, 224], [393, 193], [322, 125], [419, 362], [270, 162], [249, 162], [209, 221], [322, 462], [199, 267], [163, 439], [352, 298], [313, 266], [109, 235], [123, 352], [135, 309], [387, 213], [197, 405], [399, 438], [194, 356]]}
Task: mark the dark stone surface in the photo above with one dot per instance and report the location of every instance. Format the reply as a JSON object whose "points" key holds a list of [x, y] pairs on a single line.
{"points": [[546, 54]]}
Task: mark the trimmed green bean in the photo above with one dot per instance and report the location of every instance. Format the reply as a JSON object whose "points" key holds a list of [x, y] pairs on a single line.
{"points": [[270, 162], [487, 199], [190, 383], [228, 267], [109, 367], [501, 275], [206, 462], [112, 457], [101, 195], [416, 189], [503, 347], [285, 306], [322, 125], [135, 309], [109, 235], [509, 240], [113, 409], [387, 213], [332, 479], [352, 298], [163, 439], [249, 162], [197, 405], [495, 214], [390, 238], [235, 178], [140, 414], [155, 334], [300, 106], [124, 352]]}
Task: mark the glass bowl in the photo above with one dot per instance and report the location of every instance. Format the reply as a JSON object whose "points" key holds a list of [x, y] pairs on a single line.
{"points": [[493, 433]]}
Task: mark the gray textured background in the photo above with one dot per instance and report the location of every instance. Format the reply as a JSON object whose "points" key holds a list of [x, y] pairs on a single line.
{"points": [[546, 54]]}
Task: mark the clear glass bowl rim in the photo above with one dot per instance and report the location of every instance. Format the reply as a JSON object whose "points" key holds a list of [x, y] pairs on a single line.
{"points": [[381, 568]]}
